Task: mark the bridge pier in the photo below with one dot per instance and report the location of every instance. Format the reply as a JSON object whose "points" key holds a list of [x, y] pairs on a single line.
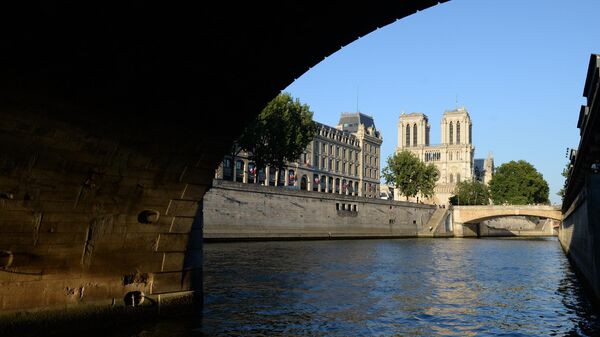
{"points": [[97, 221], [466, 230]]}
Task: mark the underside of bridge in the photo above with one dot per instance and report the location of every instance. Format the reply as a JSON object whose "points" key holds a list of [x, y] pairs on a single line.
{"points": [[113, 119]]}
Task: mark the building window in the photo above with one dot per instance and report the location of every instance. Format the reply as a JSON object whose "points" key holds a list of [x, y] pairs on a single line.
{"points": [[415, 135], [451, 133], [408, 136], [330, 167], [470, 134], [337, 165], [450, 156], [458, 177], [451, 178], [457, 132]]}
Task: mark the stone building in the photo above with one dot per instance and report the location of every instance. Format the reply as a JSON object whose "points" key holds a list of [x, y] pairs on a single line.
{"points": [[344, 159], [454, 157]]}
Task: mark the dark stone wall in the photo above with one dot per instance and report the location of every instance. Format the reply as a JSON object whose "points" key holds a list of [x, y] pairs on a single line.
{"points": [[579, 234], [107, 111]]}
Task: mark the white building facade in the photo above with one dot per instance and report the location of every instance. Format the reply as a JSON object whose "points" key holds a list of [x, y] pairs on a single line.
{"points": [[344, 159]]}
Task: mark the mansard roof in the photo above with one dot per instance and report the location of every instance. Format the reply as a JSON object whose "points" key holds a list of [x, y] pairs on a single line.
{"points": [[349, 121]]}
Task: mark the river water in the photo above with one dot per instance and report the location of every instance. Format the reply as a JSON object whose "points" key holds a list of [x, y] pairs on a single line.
{"points": [[404, 287]]}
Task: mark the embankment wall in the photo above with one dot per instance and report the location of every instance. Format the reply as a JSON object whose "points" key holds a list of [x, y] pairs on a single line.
{"points": [[235, 211]]}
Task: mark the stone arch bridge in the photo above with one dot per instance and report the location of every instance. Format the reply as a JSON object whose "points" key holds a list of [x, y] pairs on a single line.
{"points": [[113, 119], [466, 219]]}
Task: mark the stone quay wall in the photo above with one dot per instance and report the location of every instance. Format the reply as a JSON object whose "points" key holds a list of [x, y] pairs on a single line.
{"points": [[579, 234], [236, 211]]}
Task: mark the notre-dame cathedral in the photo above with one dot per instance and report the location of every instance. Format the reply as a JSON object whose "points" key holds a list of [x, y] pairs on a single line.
{"points": [[454, 157]]}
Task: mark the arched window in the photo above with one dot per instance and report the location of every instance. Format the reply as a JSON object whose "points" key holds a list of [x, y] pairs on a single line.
{"points": [[450, 156], [457, 132], [408, 136], [470, 134], [451, 133], [451, 178], [458, 177], [415, 134]]}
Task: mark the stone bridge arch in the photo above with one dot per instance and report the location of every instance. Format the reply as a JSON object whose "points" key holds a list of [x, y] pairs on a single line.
{"points": [[467, 219], [116, 113], [475, 214]]}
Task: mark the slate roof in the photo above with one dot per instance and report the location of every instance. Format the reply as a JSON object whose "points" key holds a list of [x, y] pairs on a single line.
{"points": [[350, 121]]}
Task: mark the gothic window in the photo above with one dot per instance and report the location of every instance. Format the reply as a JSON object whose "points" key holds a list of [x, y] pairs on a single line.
{"points": [[458, 177], [457, 132], [450, 155], [451, 133], [451, 178], [415, 134], [470, 134], [408, 136]]}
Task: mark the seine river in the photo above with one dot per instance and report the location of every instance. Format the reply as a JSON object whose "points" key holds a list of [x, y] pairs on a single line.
{"points": [[405, 287]]}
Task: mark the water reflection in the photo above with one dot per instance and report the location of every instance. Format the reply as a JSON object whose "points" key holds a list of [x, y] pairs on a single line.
{"points": [[455, 287], [410, 287]]}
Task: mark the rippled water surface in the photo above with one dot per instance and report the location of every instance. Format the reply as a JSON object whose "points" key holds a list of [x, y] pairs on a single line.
{"points": [[410, 287], [406, 287]]}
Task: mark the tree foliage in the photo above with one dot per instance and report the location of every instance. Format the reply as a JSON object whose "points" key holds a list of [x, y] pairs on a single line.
{"points": [[565, 174], [280, 133], [410, 175], [518, 183], [471, 192]]}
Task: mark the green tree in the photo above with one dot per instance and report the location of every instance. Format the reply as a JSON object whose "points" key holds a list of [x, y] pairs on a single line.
{"points": [[280, 133], [565, 174], [518, 183], [471, 192], [410, 175]]}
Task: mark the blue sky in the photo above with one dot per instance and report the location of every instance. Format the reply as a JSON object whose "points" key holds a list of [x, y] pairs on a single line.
{"points": [[517, 66]]}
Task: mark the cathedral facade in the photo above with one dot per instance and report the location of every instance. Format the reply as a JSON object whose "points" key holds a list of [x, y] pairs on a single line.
{"points": [[454, 157]]}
